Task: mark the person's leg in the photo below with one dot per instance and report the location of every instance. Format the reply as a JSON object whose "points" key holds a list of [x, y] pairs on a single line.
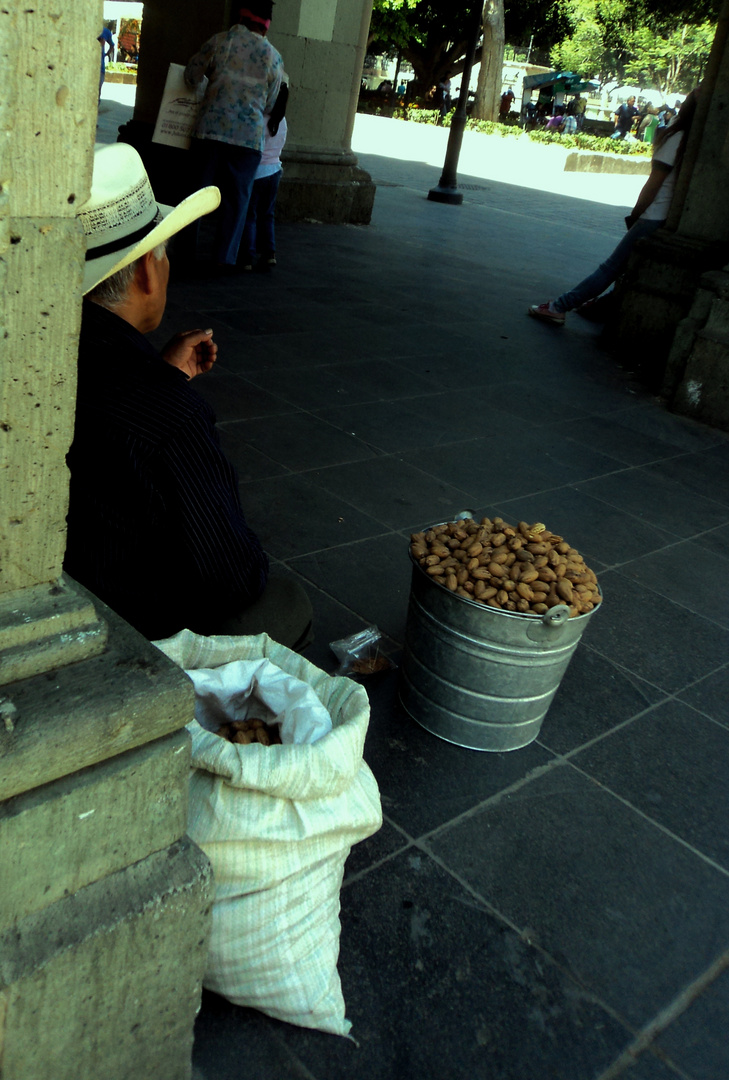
{"points": [[236, 168], [607, 272], [247, 253], [283, 611], [266, 216]]}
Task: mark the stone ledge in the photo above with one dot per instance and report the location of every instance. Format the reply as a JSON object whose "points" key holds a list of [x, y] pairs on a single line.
{"points": [[72, 832], [76, 716], [618, 164]]}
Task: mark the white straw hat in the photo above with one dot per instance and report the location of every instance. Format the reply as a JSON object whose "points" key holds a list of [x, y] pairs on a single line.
{"points": [[121, 219]]}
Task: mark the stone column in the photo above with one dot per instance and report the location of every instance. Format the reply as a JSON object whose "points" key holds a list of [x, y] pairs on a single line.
{"points": [[660, 285], [104, 902], [322, 43]]}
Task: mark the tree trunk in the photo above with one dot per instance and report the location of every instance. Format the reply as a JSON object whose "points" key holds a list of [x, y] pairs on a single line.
{"points": [[488, 90]]}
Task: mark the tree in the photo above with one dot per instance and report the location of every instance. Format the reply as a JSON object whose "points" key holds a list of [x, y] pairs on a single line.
{"points": [[670, 60], [431, 34], [490, 73], [644, 43]]}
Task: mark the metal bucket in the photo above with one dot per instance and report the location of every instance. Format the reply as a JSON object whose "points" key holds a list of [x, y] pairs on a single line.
{"points": [[477, 676]]}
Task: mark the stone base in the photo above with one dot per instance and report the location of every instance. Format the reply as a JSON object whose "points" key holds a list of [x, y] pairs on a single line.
{"points": [[47, 626], [107, 982], [655, 294], [697, 376], [331, 192], [65, 835]]}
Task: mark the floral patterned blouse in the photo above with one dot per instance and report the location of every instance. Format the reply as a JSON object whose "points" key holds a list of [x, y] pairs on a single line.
{"points": [[244, 72]]}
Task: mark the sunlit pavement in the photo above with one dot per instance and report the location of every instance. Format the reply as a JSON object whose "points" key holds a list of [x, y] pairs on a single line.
{"points": [[560, 912]]}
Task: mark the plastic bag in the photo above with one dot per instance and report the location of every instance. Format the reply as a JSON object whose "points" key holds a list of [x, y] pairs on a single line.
{"points": [[359, 654]]}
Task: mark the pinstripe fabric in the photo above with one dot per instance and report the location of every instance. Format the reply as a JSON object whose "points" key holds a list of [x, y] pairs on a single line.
{"points": [[155, 526]]}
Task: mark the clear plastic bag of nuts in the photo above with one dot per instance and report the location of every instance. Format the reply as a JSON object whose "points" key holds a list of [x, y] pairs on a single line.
{"points": [[525, 569], [359, 654]]}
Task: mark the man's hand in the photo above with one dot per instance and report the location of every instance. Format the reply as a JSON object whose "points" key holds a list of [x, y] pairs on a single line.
{"points": [[194, 352]]}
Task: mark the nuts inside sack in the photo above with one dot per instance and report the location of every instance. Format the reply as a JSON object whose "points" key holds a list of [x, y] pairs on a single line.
{"points": [[521, 568], [245, 732]]}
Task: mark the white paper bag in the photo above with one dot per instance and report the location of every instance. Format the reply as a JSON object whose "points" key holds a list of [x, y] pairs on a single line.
{"points": [[178, 110]]}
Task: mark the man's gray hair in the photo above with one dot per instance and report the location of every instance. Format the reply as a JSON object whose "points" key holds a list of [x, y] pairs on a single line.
{"points": [[113, 291]]}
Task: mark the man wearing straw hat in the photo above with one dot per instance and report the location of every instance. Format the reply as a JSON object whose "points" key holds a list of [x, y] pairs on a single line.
{"points": [[155, 525]]}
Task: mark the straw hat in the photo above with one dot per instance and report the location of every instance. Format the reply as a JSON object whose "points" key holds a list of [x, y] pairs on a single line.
{"points": [[121, 219]]}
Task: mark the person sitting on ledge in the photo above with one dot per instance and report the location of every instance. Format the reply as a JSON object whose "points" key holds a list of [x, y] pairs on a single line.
{"points": [[155, 525]]}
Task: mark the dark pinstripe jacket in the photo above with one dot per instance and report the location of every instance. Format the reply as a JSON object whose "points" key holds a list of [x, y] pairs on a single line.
{"points": [[155, 525]]}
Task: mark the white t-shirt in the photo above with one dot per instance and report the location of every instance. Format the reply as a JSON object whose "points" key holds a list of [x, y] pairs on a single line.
{"points": [[666, 154]]}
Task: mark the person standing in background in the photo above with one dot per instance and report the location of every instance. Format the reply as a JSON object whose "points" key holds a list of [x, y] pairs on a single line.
{"points": [[624, 116], [259, 235], [106, 41], [244, 74]]}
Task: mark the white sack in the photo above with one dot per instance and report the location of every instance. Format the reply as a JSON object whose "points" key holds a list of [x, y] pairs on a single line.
{"points": [[277, 823]]}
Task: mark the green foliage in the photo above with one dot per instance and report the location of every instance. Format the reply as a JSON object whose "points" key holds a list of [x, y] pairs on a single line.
{"points": [[629, 42]]}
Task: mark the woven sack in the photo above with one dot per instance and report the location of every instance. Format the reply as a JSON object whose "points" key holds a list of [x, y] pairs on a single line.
{"points": [[277, 824]]}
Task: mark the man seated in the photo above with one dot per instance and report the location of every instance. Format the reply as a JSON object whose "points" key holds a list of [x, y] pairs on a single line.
{"points": [[155, 525]]}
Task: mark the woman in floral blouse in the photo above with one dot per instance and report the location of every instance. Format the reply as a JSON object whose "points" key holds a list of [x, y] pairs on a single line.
{"points": [[244, 77]]}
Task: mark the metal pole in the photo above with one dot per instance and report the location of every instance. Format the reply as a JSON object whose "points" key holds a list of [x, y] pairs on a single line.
{"points": [[447, 189]]}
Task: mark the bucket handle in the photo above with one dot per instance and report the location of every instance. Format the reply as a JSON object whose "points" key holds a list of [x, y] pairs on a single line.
{"points": [[550, 624], [556, 616]]}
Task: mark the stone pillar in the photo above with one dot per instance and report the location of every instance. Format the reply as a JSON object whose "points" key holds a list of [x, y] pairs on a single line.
{"points": [[322, 43], [104, 903], [659, 287]]}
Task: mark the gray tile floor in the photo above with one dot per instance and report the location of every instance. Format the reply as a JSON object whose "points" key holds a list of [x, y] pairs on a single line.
{"points": [[561, 911]]}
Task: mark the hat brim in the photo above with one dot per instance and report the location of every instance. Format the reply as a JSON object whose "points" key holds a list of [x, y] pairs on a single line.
{"points": [[173, 220]]}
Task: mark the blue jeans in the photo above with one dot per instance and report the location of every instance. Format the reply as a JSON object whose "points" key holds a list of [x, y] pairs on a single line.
{"points": [[608, 271], [259, 234], [232, 168]]}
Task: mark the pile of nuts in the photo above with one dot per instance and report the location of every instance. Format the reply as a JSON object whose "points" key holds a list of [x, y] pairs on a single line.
{"points": [[245, 732], [521, 568]]}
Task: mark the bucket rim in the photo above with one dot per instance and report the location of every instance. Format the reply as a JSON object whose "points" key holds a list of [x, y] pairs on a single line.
{"points": [[533, 616]]}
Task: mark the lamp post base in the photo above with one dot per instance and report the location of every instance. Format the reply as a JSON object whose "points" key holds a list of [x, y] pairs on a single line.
{"points": [[446, 195]]}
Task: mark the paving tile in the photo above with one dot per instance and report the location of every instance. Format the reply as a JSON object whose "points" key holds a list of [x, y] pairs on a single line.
{"points": [[332, 621], [291, 516], [632, 447], [690, 575], [705, 473], [697, 1039], [389, 426], [594, 696], [648, 496], [714, 540], [234, 398], [343, 384], [711, 696], [231, 1042], [425, 781], [383, 845], [393, 491], [672, 763], [654, 420], [250, 464], [653, 637], [598, 531], [370, 577], [300, 441], [600, 888]]}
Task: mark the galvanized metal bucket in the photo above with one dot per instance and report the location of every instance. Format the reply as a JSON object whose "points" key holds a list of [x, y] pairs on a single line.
{"points": [[478, 676]]}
